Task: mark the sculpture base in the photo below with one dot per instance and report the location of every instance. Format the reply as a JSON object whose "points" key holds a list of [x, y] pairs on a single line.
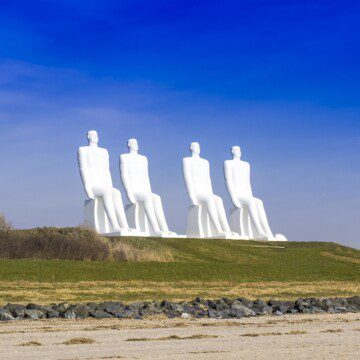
{"points": [[199, 226], [228, 237], [125, 232], [137, 219]]}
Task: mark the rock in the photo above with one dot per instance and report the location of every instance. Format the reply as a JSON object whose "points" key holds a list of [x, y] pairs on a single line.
{"points": [[125, 314], [278, 313], [6, 316], [213, 314], [61, 308], [224, 314], [172, 314], [221, 305], [185, 315], [355, 300], [81, 311], [211, 304], [176, 307], [33, 314], [291, 311], [188, 308], [137, 306], [239, 307], [111, 307], [52, 314], [68, 314], [281, 308], [100, 314]]}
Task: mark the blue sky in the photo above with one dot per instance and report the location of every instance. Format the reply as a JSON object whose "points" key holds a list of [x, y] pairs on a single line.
{"points": [[280, 79]]}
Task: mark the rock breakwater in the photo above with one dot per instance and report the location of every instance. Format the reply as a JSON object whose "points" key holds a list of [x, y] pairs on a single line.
{"points": [[223, 308]]}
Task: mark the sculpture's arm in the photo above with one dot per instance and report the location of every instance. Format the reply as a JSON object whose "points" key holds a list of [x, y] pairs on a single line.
{"points": [[126, 181], [147, 179], [231, 186], [85, 174], [189, 182], [108, 174]]}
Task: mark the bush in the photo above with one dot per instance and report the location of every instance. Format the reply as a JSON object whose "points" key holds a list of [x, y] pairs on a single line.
{"points": [[73, 244], [5, 225], [53, 243]]}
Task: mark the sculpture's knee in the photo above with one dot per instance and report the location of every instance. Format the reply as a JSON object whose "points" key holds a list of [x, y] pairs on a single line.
{"points": [[218, 200], [259, 202], [156, 198], [116, 192]]}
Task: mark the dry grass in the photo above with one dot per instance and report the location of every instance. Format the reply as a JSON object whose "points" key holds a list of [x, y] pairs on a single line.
{"points": [[31, 343], [332, 331], [126, 252], [72, 244], [175, 337], [79, 341], [47, 292], [341, 258], [294, 332]]}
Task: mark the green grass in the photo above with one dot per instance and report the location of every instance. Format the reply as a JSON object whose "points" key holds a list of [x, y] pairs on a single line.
{"points": [[205, 266]]}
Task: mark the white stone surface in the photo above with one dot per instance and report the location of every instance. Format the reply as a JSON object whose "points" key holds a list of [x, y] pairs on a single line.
{"points": [[206, 216], [103, 210], [249, 216], [145, 213]]}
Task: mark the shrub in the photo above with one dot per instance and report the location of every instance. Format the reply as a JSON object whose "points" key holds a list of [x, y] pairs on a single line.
{"points": [[77, 243]]}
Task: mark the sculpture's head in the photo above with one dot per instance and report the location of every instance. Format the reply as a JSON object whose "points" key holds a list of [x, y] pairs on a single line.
{"points": [[133, 145], [195, 148], [92, 136], [236, 151]]}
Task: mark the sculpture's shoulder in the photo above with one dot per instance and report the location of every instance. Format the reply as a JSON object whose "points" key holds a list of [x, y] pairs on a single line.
{"points": [[197, 160], [205, 162], [124, 157], [142, 158], [245, 164], [83, 149], [186, 159]]}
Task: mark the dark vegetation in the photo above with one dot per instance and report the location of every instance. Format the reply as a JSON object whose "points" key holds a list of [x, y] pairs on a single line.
{"points": [[73, 244]]}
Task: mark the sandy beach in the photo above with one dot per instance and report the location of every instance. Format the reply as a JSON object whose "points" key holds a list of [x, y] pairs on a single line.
{"points": [[288, 337]]}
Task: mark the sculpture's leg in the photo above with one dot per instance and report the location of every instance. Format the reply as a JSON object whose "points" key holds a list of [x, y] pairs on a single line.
{"points": [[119, 209], [159, 212], [222, 214], [150, 213], [108, 201], [254, 215], [263, 218], [211, 208]]}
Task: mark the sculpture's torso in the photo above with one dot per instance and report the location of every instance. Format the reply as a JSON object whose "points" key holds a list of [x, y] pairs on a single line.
{"points": [[240, 176], [200, 176], [137, 172], [97, 164]]}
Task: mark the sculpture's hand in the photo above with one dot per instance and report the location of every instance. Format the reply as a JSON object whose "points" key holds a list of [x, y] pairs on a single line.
{"points": [[89, 193], [237, 204], [193, 200], [132, 198]]}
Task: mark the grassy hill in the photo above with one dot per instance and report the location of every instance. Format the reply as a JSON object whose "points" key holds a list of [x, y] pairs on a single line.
{"points": [[185, 268]]}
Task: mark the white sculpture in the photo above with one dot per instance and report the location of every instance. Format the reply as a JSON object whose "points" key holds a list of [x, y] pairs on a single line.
{"points": [[206, 216], [249, 216], [104, 210], [145, 208]]}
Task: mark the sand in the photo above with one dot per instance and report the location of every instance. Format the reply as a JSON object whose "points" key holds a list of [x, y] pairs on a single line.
{"points": [[325, 336]]}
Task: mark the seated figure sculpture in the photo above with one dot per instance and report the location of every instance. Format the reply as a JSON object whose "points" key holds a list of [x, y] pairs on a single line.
{"points": [[249, 216], [206, 216], [104, 210], [145, 208]]}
